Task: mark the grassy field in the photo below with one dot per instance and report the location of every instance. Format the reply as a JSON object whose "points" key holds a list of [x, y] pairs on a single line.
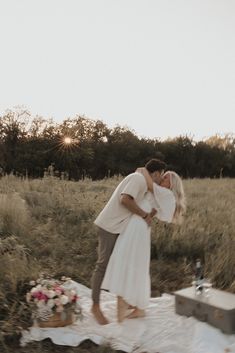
{"points": [[47, 225]]}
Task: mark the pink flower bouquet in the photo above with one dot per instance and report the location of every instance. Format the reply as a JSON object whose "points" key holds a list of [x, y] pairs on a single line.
{"points": [[50, 298]]}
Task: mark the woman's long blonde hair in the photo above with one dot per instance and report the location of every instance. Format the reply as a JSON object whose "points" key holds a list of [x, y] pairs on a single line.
{"points": [[178, 191]]}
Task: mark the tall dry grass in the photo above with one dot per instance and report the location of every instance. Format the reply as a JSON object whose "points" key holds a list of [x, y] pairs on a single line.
{"points": [[47, 225]]}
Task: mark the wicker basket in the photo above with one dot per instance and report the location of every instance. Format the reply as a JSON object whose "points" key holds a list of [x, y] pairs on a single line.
{"points": [[57, 320]]}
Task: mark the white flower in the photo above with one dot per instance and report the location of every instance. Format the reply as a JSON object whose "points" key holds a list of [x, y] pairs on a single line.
{"points": [[45, 291], [64, 299], [51, 303], [32, 283], [57, 301], [70, 294], [51, 293], [34, 290], [58, 291]]}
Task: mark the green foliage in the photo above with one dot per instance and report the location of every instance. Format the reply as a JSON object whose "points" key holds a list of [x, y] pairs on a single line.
{"points": [[28, 145]]}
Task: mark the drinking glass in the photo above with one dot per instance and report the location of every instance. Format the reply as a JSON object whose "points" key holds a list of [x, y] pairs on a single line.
{"points": [[207, 286]]}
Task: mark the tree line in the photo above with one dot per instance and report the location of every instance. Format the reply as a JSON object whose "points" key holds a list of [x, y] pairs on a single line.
{"points": [[81, 147]]}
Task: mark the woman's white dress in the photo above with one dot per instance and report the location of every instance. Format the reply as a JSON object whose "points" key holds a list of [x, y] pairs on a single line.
{"points": [[127, 274]]}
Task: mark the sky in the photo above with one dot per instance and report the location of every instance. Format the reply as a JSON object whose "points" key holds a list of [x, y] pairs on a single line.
{"points": [[162, 68]]}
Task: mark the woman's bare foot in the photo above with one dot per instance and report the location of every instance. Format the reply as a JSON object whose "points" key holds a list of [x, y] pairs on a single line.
{"points": [[99, 316], [132, 307], [136, 313], [122, 307]]}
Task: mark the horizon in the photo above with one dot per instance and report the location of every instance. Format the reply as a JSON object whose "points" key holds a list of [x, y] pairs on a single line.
{"points": [[228, 135]]}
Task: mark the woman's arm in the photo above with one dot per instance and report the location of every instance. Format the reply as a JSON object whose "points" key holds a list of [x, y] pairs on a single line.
{"points": [[148, 178]]}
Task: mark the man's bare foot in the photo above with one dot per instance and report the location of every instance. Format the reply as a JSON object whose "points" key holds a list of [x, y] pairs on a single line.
{"points": [[136, 313], [99, 316]]}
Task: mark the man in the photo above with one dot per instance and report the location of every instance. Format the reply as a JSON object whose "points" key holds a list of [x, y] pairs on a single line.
{"points": [[114, 218]]}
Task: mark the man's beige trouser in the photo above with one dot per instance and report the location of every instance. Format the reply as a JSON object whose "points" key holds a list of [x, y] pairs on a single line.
{"points": [[105, 247]]}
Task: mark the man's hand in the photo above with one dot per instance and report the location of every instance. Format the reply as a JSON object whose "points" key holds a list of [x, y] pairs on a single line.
{"points": [[148, 217], [153, 212]]}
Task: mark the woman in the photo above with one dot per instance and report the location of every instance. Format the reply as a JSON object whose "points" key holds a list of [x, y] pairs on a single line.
{"points": [[127, 274], [173, 182]]}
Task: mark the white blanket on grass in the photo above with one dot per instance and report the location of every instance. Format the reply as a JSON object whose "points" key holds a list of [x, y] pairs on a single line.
{"points": [[160, 331]]}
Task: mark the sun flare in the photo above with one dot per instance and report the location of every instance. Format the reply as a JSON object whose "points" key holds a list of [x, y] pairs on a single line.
{"points": [[68, 140]]}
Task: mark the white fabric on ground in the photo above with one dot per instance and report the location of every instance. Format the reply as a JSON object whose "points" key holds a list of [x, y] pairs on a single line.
{"points": [[160, 331]]}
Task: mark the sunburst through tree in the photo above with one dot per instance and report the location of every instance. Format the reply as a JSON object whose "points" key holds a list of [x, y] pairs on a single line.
{"points": [[67, 144]]}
